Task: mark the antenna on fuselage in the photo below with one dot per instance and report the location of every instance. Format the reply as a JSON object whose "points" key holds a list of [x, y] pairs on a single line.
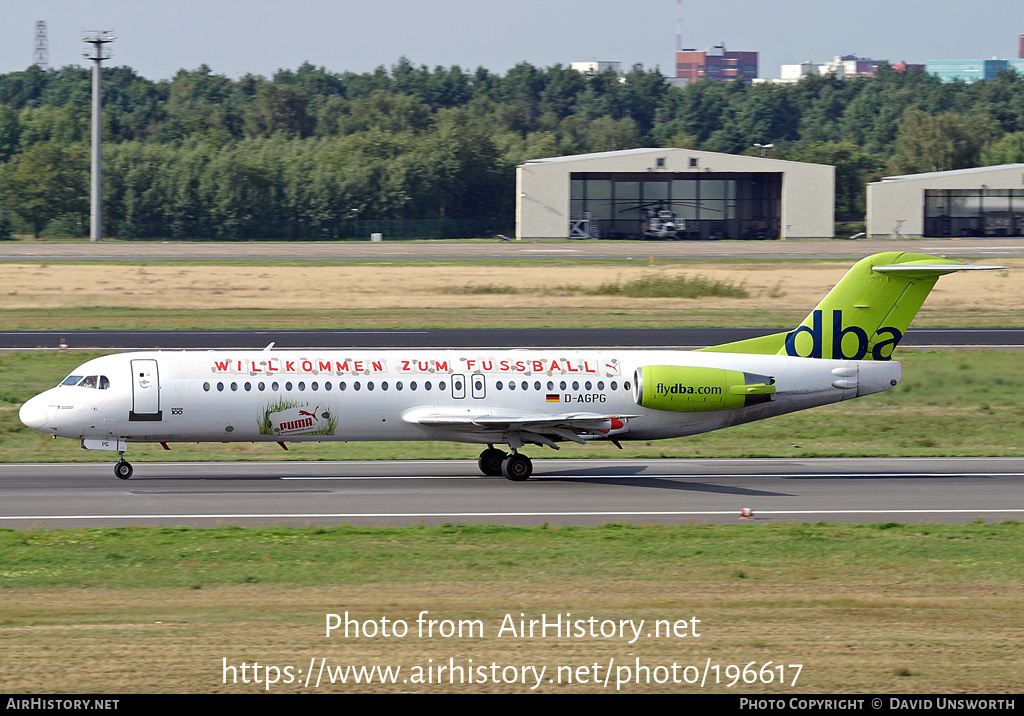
{"points": [[270, 345]]}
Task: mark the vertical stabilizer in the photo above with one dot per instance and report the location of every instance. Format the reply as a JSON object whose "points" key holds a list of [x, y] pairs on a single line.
{"points": [[867, 313]]}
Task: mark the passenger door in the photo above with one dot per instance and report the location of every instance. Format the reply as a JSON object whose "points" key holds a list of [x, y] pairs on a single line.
{"points": [[145, 390]]}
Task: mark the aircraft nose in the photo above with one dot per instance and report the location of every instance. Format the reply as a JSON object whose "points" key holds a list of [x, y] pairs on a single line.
{"points": [[36, 415]]}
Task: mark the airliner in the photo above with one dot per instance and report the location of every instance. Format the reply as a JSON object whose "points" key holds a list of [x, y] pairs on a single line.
{"points": [[499, 397]]}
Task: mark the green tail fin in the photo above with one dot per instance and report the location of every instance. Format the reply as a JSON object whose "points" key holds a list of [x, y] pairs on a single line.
{"points": [[865, 315]]}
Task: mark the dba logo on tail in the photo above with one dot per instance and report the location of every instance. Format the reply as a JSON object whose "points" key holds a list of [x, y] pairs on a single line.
{"points": [[840, 340]]}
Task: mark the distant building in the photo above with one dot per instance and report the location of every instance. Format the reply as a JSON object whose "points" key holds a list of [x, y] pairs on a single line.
{"points": [[905, 66], [852, 66], [791, 74], [596, 67], [716, 63], [705, 195], [974, 70], [981, 201], [971, 70], [843, 67]]}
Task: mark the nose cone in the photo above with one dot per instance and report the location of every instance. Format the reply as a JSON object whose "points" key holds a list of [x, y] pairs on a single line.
{"points": [[36, 415]]}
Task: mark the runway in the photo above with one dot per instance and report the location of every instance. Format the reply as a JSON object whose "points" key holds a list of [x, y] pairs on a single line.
{"points": [[562, 492]]}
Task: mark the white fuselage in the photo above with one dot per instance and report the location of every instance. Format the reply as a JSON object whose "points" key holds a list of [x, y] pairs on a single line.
{"points": [[329, 394]]}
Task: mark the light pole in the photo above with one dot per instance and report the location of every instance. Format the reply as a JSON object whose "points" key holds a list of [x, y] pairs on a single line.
{"points": [[764, 148], [97, 40]]}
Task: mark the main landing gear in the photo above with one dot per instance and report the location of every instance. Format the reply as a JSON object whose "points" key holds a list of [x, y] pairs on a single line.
{"points": [[123, 469], [516, 467]]}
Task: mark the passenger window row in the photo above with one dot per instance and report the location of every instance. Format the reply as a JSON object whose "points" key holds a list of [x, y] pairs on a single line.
{"points": [[315, 386]]}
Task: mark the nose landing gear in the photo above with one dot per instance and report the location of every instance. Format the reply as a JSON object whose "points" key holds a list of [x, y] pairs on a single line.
{"points": [[123, 469]]}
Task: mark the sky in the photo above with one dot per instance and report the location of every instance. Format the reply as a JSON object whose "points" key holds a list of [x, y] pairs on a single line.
{"points": [[238, 37]]}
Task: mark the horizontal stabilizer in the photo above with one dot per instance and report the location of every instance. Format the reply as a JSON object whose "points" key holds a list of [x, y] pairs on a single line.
{"points": [[920, 269]]}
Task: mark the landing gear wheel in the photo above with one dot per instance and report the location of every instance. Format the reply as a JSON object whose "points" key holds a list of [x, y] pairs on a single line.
{"points": [[517, 467], [123, 470], [490, 461]]}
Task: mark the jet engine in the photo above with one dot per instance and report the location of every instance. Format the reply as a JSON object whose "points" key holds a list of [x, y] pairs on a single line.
{"points": [[690, 389]]}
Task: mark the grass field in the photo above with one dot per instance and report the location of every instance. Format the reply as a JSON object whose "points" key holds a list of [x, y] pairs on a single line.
{"points": [[414, 294], [862, 609]]}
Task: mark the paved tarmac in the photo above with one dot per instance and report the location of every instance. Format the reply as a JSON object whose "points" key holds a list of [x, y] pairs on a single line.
{"points": [[564, 492], [460, 338], [1004, 247]]}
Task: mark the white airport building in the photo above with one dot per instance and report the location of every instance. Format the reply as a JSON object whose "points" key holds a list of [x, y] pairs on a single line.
{"points": [[983, 201], [640, 193], [842, 67], [596, 67]]}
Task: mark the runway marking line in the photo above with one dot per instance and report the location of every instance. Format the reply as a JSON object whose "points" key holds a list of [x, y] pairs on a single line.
{"points": [[379, 515], [538, 477]]}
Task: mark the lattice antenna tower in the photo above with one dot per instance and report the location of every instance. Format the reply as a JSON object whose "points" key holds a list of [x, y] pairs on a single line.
{"points": [[41, 53]]}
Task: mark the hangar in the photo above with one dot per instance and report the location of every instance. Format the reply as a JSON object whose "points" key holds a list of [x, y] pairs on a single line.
{"points": [[635, 193], [983, 201]]}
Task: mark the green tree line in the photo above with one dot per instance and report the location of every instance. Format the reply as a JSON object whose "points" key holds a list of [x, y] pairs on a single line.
{"points": [[309, 153]]}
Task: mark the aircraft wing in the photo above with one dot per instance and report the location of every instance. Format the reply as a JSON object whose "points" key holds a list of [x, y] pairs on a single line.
{"points": [[542, 428]]}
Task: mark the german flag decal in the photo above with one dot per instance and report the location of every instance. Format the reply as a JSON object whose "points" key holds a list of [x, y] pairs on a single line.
{"points": [[552, 398]]}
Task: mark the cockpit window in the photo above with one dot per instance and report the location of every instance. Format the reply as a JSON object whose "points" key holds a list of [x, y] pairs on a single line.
{"points": [[90, 381]]}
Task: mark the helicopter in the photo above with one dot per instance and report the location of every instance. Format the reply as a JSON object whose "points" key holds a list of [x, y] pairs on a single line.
{"points": [[660, 221]]}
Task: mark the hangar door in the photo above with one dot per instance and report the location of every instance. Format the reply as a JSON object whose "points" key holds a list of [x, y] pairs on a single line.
{"points": [[974, 212], [709, 205]]}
